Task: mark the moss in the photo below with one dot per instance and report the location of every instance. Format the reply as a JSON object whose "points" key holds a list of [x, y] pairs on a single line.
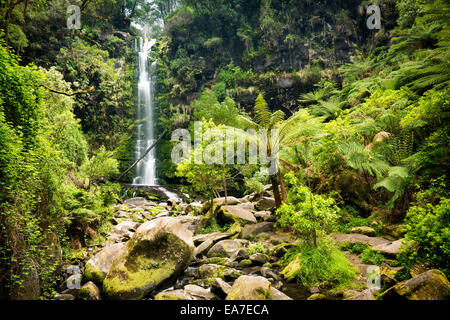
{"points": [[217, 260], [317, 296], [145, 266], [246, 263]]}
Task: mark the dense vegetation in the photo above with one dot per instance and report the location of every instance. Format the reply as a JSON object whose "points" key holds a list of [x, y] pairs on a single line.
{"points": [[363, 118]]}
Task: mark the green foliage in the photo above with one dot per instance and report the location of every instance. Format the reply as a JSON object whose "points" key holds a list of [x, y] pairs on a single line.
{"points": [[100, 166], [256, 248], [369, 256], [308, 213], [318, 265], [427, 225]]}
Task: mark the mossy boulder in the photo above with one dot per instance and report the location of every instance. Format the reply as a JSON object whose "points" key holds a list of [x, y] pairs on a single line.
{"points": [[98, 266], [368, 231], [218, 271], [252, 230], [430, 285], [160, 249], [89, 291], [292, 269], [236, 213], [265, 204], [250, 288]]}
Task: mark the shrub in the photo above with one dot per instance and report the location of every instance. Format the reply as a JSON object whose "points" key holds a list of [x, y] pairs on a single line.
{"points": [[309, 213], [314, 266], [427, 226]]}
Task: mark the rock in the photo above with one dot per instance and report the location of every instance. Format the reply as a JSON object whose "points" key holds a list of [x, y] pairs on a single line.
{"points": [[239, 255], [64, 296], [393, 230], [292, 269], [280, 250], [391, 249], [217, 271], [230, 201], [192, 223], [250, 288], [217, 260], [159, 249], [203, 247], [259, 258], [388, 275], [194, 207], [264, 216], [355, 238], [368, 231], [278, 295], [136, 202], [199, 293], [317, 296], [98, 266], [122, 232], [89, 291], [265, 204], [430, 285], [418, 268], [364, 295], [224, 248], [236, 214], [173, 295], [247, 206], [220, 285], [235, 230], [216, 236], [252, 230]]}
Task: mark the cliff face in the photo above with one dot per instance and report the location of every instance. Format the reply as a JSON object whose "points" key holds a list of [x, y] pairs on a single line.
{"points": [[288, 46]]}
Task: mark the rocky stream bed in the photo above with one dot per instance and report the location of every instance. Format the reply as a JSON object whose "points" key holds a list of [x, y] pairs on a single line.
{"points": [[158, 251]]}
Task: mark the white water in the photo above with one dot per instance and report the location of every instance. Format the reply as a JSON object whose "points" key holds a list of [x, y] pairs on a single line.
{"points": [[146, 168]]}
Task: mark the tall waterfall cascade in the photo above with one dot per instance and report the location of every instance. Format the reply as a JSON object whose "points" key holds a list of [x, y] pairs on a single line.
{"points": [[146, 168]]}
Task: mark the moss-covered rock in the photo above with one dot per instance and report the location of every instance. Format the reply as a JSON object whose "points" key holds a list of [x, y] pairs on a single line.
{"points": [[217, 271], [317, 296], [368, 231], [292, 269], [160, 249], [252, 230], [250, 288], [430, 285], [89, 291]]}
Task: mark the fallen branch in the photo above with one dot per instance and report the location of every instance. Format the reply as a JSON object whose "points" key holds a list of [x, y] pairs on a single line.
{"points": [[69, 94], [143, 156]]}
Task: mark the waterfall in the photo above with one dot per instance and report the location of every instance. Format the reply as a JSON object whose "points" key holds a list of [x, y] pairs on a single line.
{"points": [[146, 168]]}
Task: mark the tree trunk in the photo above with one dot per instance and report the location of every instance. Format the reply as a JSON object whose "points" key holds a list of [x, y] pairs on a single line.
{"points": [[276, 191], [282, 187]]}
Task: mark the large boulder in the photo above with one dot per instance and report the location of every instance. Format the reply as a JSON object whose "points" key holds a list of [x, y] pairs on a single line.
{"points": [[98, 266], [252, 230], [342, 238], [250, 288], [237, 214], [89, 291], [368, 231], [391, 249], [265, 204], [430, 285], [160, 249]]}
